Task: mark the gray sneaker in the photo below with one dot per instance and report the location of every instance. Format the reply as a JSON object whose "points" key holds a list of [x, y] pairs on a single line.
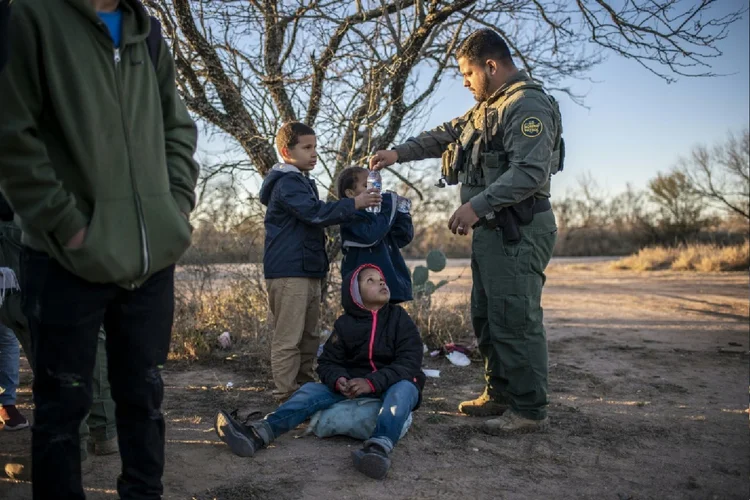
{"points": [[372, 461], [242, 439], [12, 419]]}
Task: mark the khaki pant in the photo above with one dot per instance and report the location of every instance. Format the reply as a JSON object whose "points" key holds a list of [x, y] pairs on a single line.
{"points": [[295, 306]]}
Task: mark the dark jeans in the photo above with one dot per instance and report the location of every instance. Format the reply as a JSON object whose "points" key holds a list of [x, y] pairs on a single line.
{"points": [[398, 402], [65, 314]]}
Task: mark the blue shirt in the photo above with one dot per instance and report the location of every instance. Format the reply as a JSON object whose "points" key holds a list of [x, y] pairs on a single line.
{"points": [[113, 20]]}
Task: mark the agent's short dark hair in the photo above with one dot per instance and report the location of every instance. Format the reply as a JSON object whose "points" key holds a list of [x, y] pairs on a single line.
{"points": [[348, 180], [482, 45], [289, 134]]}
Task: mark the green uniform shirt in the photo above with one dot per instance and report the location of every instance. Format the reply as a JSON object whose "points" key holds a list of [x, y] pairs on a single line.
{"points": [[525, 126]]}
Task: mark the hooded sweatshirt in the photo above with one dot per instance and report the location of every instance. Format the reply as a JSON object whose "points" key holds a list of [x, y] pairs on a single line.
{"points": [[384, 346], [96, 137], [294, 222], [376, 238]]}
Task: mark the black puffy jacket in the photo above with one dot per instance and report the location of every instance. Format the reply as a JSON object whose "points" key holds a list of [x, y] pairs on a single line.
{"points": [[383, 347]]}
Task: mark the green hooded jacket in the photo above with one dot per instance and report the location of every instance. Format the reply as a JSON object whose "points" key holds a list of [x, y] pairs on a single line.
{"points": [[95, 137]]}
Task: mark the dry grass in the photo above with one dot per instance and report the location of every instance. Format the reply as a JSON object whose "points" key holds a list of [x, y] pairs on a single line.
{"points": [[208, 305], [440, 321], [696, 257]]}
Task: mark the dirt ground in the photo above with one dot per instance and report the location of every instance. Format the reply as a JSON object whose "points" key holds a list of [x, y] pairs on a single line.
{"points": [[648, 391]]}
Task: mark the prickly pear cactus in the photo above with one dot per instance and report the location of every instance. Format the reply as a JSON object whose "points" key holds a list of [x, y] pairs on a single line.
{"points": [[422, 286], [420, 276], [436, 261]]}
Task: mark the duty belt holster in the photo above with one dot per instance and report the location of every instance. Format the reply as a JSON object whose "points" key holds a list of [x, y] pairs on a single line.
{"points": [[510, 219]]}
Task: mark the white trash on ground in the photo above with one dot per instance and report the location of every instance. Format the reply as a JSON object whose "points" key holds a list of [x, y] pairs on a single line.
{"points": [[225, 341], [431, 373], [458, 358]]}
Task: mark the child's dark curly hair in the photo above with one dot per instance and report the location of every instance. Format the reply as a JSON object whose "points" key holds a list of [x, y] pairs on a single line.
{"points": [[348, 180], [289, 134]]}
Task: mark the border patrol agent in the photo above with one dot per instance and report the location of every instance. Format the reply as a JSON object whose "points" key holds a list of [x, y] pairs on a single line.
{"points": [[503, 153]]}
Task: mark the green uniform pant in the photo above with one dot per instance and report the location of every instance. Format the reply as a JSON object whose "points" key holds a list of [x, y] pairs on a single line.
{"points": [[100, 422], [507, 313]]}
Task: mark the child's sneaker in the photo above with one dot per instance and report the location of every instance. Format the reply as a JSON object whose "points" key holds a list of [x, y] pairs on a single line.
{"points": [[12, 418], [243, 440], [372, 461]]}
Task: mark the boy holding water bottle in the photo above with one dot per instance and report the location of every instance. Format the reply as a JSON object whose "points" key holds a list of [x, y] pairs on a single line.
{"points": [[375, 236]]}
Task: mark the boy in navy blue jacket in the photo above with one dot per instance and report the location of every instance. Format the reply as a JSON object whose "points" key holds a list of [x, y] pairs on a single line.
{"points": [[376, 238], [295, 260]]}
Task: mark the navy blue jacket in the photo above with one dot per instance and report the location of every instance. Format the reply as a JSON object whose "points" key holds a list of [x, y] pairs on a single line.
{"points": [[376, 239], [295, 218], [4, 16]]}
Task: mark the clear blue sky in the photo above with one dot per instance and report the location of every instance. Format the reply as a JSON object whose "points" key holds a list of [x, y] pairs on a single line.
{"points": [[638, 124]]}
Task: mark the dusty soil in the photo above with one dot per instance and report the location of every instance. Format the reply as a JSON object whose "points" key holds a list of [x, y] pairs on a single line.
{"points": [[649, 399]]}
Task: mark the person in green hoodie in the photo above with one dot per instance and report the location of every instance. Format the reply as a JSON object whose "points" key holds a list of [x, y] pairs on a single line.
{"points": [[96, 160]]}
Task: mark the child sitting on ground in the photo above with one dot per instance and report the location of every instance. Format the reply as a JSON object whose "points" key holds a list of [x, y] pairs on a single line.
{"points": [[375, 350], [375, 238], [294, 260]]}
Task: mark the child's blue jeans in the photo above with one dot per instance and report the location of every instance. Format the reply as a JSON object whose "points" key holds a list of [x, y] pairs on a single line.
{"points": [[9, 359], [398, 402]]}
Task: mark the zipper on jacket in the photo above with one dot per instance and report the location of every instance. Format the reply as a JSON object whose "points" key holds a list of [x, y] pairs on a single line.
{"points": [[372, 338], [138, 206]]}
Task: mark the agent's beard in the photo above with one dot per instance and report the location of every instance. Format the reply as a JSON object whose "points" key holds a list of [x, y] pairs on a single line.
{"points": [[482, 90]]}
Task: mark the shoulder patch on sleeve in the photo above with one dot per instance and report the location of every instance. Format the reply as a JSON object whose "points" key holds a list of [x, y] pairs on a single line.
{"points": [[532, 127]]}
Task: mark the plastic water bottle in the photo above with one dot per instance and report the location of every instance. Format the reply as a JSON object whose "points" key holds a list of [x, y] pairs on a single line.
{"points": [[374, 182]]}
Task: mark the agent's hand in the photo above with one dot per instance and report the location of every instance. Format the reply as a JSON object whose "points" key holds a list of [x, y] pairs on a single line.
{"points": [[358, 387], [383, 158], [462, 219], [77, 240], [369, 198]]}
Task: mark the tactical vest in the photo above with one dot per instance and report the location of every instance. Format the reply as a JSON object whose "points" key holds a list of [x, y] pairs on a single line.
{"points": [[481, 157]]}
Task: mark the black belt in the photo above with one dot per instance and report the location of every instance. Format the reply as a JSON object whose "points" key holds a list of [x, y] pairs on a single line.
{"points": [[510, 219], [541, 205]]}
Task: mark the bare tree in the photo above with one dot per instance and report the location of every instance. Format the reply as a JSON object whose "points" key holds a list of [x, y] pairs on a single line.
{"points": [[681, 208], [363, 72], [722, 174]]}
